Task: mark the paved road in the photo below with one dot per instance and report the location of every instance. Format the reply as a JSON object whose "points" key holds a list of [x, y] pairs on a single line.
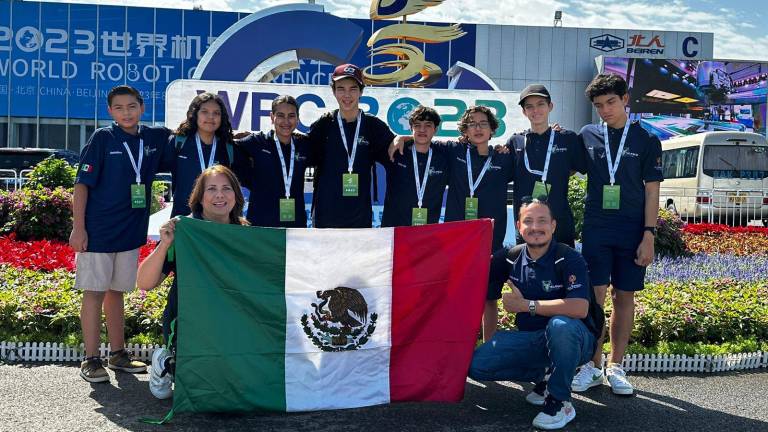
{"points": [[36, 397]]}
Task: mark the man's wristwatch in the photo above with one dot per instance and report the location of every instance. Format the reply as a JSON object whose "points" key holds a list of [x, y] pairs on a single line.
{"points": [[532, 307], [651, 229]]}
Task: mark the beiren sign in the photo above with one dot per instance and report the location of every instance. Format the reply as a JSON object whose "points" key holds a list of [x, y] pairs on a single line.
{"points": [[249, 104]]}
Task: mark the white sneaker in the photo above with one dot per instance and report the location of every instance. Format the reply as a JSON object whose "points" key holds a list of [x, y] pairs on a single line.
{"points": [[588, 377], [538, 395], [617, 379], [159, 383], [555, 415]]}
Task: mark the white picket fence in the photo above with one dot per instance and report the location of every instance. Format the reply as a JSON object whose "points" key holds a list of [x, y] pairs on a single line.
{"points": [[59, 352], [55, 352]]}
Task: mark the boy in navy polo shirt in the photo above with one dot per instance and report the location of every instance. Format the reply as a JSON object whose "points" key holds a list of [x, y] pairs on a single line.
{"points": [[112, 196], [477, 183], [345, 144], [415, 197], [273, 169], [550, 300], [545, 159], [622, 206]]}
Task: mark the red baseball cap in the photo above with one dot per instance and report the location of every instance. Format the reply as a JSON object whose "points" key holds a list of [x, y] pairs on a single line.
{"points": [[348, 70]]}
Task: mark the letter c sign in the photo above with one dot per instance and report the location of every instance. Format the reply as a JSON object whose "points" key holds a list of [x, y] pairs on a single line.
{"points": [[690, 40]]}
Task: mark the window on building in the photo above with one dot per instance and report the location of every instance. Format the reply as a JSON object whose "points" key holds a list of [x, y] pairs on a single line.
{"points": [[26, 134], [53, 136]]}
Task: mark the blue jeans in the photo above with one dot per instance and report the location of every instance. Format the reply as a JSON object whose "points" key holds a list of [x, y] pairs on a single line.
{"points": [[525, 355]]}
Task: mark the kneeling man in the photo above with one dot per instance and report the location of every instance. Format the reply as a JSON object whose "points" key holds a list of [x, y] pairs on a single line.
{"points": [[550, 297]]}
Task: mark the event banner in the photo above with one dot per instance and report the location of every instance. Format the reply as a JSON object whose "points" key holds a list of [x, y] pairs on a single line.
{"points": [[313, 319], [249, 104]]}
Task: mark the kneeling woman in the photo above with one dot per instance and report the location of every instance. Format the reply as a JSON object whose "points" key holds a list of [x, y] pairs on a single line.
{"points": [[215, 197]]}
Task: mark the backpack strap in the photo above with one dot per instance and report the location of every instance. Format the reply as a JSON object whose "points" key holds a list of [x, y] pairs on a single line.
{"points": [[230, 153], [514, 252], [179, 143]]}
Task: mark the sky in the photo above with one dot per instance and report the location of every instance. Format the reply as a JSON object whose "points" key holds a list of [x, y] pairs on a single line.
{"points": [[740, 26]]}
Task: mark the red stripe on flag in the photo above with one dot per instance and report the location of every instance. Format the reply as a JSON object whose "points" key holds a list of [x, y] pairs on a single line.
{"points": [[439, 284]]}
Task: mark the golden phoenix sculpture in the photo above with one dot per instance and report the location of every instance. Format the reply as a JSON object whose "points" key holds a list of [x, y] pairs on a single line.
{"points": [[409, 60]]}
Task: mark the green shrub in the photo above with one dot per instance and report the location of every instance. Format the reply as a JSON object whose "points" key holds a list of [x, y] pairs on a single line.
{"points": [[704, 312], [740, 345], [51, 173], [45, 307], [577, 194], [159, 190], [669, 235], [712, 311], [41, 214], [7, 204]]}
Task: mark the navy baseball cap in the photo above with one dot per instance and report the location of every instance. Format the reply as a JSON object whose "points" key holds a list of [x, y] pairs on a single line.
{"points": [[348, 70], [534, 90]]}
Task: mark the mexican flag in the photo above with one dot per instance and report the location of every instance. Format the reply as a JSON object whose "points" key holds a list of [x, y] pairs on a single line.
{"points": [[315, 319]]}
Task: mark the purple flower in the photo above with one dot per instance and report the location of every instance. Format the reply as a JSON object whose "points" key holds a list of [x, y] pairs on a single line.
{"points": [[709, 266]]}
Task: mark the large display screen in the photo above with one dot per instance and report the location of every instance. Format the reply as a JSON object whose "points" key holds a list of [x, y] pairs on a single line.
{"points": [[683, 97]]}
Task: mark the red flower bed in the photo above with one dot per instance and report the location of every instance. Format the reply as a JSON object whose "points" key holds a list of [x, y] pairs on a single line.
{"points": [[45, 255], [706, 229]]}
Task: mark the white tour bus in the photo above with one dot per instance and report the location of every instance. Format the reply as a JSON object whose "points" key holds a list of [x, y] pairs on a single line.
{"points": [[717, 177]]}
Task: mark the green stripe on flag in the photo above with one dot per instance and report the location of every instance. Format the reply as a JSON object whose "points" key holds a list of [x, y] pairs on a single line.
{"points": [[231, 324]]}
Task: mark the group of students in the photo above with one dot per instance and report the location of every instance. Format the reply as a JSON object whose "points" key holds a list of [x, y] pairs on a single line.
{"points": [[118, 164]]}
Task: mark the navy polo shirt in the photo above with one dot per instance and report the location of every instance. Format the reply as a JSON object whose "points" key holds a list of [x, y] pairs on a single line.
{"points": [[112, 225], [491, 194], [539, 280], [401, 196], [330, 209], [263, 175], [187, 167], [640, 163], [567, 156]]}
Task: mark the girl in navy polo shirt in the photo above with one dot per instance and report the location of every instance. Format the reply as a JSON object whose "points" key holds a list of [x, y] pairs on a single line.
{"points": [[202, 140]]}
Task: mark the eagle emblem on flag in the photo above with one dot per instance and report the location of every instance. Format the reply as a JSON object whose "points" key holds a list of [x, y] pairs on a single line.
{"points": [[339, 320]]}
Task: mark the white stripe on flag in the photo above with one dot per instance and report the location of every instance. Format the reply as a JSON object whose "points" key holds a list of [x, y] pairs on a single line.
{"points": [[322, 260]]}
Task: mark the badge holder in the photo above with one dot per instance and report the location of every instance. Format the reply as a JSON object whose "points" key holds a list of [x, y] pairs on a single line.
{"points": [[419, 216], [350, 185], [611, 197], [540, 189], [470, 208], [287, 210], [138, 196]]}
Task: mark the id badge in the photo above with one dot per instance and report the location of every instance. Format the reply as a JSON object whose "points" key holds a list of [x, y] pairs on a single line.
{"points": [[138, 196], [540, 190], [419, 216], [287, 210], [611, 197], [470, 208], [350, 185]]}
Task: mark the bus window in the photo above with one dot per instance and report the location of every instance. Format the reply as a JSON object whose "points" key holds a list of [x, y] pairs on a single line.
{"points": [[680, 163], [742, 162]]}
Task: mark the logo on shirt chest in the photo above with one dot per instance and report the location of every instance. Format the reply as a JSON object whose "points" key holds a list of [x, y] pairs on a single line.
{"points": [[549, 286], [434, 172], [149, 150], [559, 149], [362, 141], [628, 153]]}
